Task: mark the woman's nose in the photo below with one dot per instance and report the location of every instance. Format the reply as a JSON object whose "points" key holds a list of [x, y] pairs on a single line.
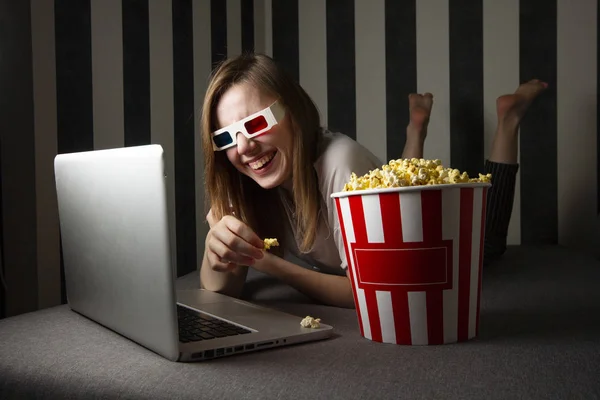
{"points": [[244, 144]]}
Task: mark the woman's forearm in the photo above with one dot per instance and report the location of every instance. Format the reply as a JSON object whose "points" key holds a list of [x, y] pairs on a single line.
{"points": [[230, 283], [329, 289]]}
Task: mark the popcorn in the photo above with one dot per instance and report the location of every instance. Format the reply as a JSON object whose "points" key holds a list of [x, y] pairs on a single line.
{"points": [[268, 243], [310, 322], [411, 172]]}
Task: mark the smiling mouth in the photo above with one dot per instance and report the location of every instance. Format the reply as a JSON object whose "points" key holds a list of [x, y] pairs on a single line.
{"points": [[263, 162]]}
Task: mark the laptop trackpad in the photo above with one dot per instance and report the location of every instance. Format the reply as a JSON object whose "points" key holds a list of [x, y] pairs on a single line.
{"points": [[195, 297], [232, 309], [215, 303]]}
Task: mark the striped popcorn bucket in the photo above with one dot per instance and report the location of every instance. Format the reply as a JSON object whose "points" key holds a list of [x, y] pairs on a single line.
{"points": [[415, 256]]}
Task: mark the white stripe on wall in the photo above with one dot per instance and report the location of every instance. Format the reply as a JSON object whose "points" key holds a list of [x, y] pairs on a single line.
{"points": [[371, 124], [433, 73], [107, 73], [312, 26], [234, 28], [501, 76], [45, 125], [475, 244], [161, 97], [259, 26], [410, 213], [386, 316], [576, 123], [268, 27], [417, 306], [451, 231], [202, 69]]}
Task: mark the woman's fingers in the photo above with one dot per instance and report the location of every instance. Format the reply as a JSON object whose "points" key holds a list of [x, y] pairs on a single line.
{"points": [[243, 231], [218, 265], [231, 242], [238, 237], [225, 254]]}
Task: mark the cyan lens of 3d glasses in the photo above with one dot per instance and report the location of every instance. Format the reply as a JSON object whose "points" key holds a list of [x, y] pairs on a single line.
{"points": [[222, 139]]}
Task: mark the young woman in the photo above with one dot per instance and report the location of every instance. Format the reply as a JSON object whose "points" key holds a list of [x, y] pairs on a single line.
{"points": [[270, 169]]}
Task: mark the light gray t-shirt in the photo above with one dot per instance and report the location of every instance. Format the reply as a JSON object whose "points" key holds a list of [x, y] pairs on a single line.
{"points": [[339, 157]]}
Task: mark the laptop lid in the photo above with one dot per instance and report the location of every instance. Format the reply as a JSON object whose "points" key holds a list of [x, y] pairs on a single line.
{"points": [[115, 239]]}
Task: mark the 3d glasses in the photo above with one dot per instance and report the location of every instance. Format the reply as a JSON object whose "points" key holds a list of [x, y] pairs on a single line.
{"points": [[251, 126]]}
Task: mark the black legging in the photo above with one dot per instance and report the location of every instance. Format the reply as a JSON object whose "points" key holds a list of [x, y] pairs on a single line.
{"points": [[500, 201]]}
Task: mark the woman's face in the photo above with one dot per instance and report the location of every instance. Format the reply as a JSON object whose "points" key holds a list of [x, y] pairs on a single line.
{"points": [[267, 158]]}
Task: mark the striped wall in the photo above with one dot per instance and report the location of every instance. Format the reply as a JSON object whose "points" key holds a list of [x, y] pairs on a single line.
{"points": [[94, 74]]}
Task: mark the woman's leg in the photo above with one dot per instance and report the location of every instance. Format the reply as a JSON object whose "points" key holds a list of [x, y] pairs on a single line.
{"points": [[503, 166], [502, 163], [420, 109]]}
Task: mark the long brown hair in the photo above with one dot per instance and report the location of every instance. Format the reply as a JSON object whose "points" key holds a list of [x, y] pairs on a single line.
{"points": [[227, 190]]}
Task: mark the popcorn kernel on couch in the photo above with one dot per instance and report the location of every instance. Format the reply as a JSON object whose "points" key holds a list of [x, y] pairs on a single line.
{"points": [[411, 172]]}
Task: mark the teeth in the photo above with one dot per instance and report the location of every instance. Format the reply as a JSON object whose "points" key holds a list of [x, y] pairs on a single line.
{"points": [[259, 163]]}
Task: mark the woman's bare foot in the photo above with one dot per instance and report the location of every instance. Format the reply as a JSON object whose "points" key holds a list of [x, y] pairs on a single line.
{"points": [[511, 109], [420, 110]]}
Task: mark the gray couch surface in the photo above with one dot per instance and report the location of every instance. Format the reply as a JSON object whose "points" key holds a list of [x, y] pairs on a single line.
{"points": [[539, 339]]}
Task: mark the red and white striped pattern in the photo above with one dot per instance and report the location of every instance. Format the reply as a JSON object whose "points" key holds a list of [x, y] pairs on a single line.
{"points": [[415, 262]]}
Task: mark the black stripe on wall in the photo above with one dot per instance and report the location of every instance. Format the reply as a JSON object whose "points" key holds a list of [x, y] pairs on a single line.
{"points": [[136, 72], [74, 76], [538, 136], [218, 30], [598, 107], [286, 42], [466, 85], [17, 133], [247, 26], [400, 70], [341, 67], [73, 82], [2, 269], [3, 83], [183, 93]]}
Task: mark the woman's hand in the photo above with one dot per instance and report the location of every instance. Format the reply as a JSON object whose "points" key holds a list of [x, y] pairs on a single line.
{"points": [[231, 242]]}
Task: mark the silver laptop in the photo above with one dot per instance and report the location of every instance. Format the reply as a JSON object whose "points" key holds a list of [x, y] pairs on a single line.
{"points": [[118, 266]]}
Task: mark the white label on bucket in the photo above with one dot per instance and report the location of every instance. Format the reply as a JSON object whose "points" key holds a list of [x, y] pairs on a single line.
{"points": [[475, 244], [412, 222], [417, 306], [451, 231], [386, 316], [373, 223]]}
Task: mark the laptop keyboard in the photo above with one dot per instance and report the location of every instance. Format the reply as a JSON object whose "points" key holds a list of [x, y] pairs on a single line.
{"points": [[195, 326]]}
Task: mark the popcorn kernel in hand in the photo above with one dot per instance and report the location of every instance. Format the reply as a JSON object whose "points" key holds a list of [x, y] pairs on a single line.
{"points": [[268, 243], [411, 172], [310, 322]]}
